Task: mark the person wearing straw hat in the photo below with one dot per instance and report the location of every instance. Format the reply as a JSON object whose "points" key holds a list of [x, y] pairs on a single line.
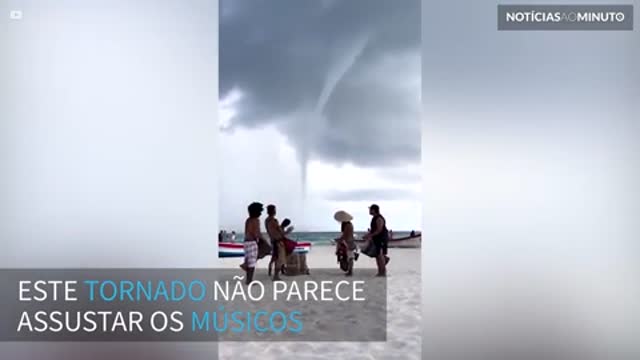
{"points": [[346, 240]]}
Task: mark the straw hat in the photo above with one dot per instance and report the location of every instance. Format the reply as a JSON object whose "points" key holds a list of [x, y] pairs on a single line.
{"points": [[342, 216]]}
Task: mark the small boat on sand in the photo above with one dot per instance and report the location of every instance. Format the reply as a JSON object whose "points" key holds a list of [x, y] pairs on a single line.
{"points": [[231, 249], [408, 242], [414, 241]]}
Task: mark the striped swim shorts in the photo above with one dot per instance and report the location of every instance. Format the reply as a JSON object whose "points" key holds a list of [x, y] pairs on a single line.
{"points": [[250, 253]]}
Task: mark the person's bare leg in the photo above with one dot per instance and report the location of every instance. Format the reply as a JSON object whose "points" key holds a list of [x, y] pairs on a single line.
{"points": [[250, 272], [271, 263], [280, 262], [380, 260], [277, 270]]}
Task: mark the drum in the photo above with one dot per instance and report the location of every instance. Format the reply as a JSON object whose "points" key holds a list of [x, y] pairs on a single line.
{"points": [[296, 265]]}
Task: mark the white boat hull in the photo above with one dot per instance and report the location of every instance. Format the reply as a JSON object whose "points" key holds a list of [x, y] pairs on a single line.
{"points": [[412, 242], [406, 243]]}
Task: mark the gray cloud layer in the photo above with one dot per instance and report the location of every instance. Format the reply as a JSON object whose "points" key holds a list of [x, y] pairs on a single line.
{"points": [[367, 195], [281, 54]]}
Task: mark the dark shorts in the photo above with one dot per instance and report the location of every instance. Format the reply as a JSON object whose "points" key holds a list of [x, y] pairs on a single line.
{"points": [[381, 245], [274, 249]]}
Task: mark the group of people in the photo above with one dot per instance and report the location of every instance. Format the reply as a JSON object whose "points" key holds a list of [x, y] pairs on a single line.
{"points": [[281, 245], [225, 236], [378, 237]]}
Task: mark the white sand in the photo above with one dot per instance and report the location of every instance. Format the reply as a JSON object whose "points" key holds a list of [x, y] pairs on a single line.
{"points": [[403, 315]]}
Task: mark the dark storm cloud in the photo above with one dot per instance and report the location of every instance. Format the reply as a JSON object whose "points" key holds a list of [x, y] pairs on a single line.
{"points": [[279, 54], [367, 195]]}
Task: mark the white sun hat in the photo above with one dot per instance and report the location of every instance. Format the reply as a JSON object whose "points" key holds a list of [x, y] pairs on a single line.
{"points": [[342, 216]]}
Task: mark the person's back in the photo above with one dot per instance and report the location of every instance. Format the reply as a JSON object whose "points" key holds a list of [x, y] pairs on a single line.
{"points": [[384, 234], [347, 235], [350, 244], [271, 223], [277, 241], [252, 229]]}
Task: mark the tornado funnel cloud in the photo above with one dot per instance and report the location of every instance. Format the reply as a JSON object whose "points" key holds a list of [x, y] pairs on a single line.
{"points": [[334, 76], [337, 72], [304, 159]]}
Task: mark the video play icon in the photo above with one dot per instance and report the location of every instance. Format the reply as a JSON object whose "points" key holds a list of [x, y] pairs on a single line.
{"points": [[15, 15]]}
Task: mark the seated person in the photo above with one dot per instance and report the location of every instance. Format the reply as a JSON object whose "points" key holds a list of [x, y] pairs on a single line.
{"points": [[290, 248], [285, 226]]}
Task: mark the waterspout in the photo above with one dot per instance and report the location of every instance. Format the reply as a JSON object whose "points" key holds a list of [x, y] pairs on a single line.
{"points": [[318, 122]]}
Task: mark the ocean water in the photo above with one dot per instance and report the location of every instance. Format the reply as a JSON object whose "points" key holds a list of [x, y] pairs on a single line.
{"points": [[320, 238]]}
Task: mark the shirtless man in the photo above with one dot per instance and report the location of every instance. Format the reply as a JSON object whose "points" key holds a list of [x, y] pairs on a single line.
{"points": [[274, 254], [277, 236], [252, 236]]}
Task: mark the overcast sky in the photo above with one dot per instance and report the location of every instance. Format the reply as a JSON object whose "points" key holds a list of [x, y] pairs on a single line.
{"points": [[321, 109]]}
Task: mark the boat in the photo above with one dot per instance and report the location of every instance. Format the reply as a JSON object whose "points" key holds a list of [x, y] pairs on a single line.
{"points": [[409, 242], [414, 241], [235, 249]]}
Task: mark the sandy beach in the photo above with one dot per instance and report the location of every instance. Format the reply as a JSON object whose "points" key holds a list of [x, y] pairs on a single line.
{"points": [[403, 314]]}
